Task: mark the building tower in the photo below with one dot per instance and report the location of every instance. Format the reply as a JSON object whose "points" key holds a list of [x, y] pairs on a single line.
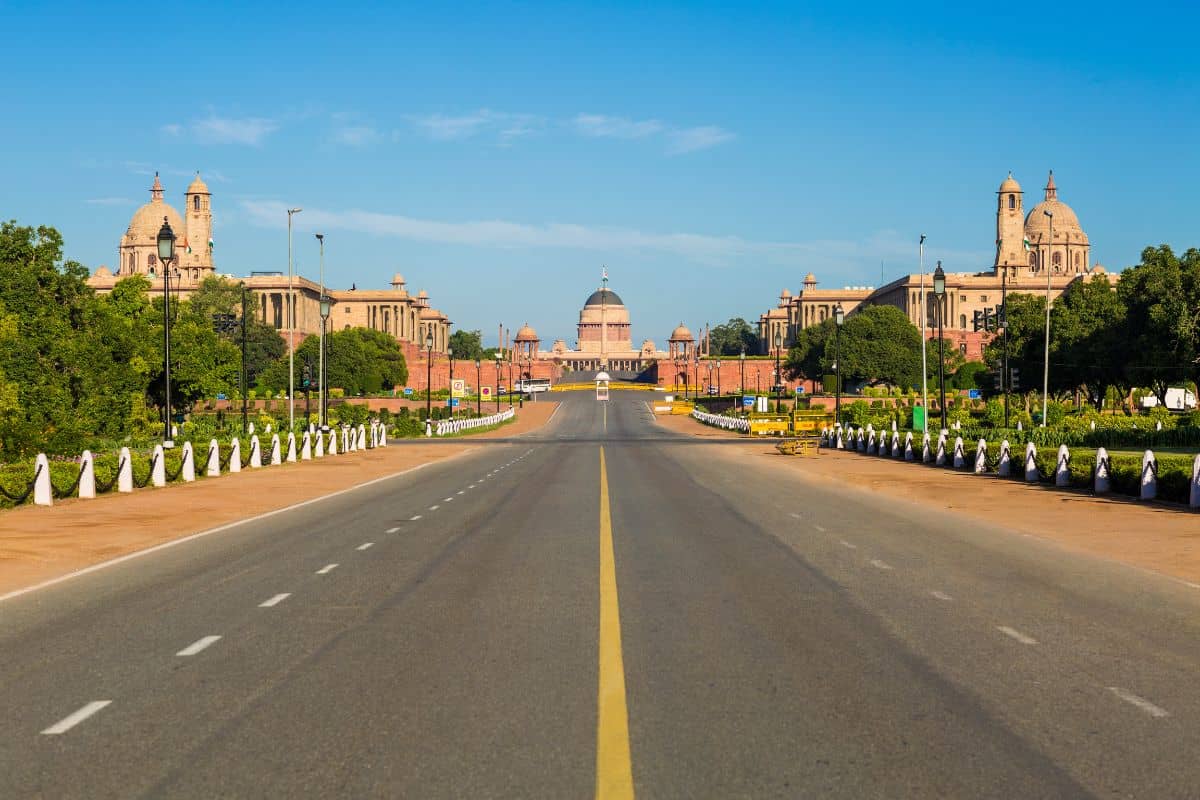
{"points": [[1010, 227], [196, 260]]}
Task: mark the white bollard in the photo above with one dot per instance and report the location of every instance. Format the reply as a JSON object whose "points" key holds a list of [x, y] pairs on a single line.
{"points": [[1194, 490], [306, 447], [87, 478], [158, 473], [1031, 473], [960, 458], [1149, 476], [188, 470], [319, 450], [291, 448], [362, 437], [250, 429], [268, 430], [124, 471], [841, 442], [383, 435], [43, 494], [1021, 427], [345, 441], [235, 456], [255, 453], [941, 450], [896, 451], [332, 449], [981, 457], [1103, 483], [1004, 468], [908, 448], [926, 454], [213, 468], [1062, 472], [276, 455]]}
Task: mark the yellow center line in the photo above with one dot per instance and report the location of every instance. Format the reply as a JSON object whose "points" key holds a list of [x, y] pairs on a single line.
{"points": [[614, 772]]}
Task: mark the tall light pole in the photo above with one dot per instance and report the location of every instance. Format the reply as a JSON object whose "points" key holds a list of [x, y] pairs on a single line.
{"points": [[742, 379], [321, 346], [1002, 319], [429, 381], [450, 354], [839, 316], [166, 254], [778, 375], [291, 318], [718, 377], [498, 359], [924, 337], [478, 388], [1047, 266], [939, 291]]}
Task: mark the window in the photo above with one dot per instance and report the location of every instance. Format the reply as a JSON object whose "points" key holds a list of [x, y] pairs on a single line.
{"points": [[983, 298], [1012, 202], [347, 309], [962, 348], [962, 320], [151, 260], [1033, 260], [196, 202], [1056, 260], [962, 298]]}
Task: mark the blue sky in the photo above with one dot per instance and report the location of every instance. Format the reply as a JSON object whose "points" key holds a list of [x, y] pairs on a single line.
{"points": [[497, 155]]}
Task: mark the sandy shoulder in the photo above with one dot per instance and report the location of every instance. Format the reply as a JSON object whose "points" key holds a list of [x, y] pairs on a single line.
{"points": [[37, 544]]}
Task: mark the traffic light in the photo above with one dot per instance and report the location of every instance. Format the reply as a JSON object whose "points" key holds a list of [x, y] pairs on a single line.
{"points": [[979, 320], [306, 375], [1014, 382], [996, 376]]}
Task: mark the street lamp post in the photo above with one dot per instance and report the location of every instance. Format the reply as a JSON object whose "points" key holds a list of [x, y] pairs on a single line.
{"points": [[839, 316], [324, 377], [696, 368], [478, 388], [429, 383], [166, 254], [291, 320], [498, 381], [509, 361], [778, 374], [939, 291], [324, 305], [1047, 266], [450, 354], [718, 377], [742, 378]]}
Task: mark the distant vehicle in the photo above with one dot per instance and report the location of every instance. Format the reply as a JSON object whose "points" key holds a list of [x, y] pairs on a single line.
{"points": [[532, 385], [1177, 400], [712, 390]]}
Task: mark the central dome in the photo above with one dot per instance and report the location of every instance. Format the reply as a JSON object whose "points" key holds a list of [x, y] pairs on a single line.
{"points": [[148, 219], [603, 297], [1065, 220]]}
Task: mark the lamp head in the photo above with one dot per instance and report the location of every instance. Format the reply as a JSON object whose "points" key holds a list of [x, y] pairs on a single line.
{"points": [[429, 341], [939, 280], [166, 242], [839, 315], [320, 237], [325, 306]]}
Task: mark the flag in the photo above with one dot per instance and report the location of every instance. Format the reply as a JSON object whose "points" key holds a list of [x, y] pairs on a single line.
{"points": [[187, 247], [1028, 246], [210, 244]]}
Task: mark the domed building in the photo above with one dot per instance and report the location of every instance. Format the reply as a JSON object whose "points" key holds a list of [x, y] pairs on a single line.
{"points": [[137, 253]]}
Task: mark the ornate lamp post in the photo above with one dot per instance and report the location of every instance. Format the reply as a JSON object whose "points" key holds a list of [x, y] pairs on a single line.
{"points": [[478, 389], [1047, 265], [939, 292], [509, 361], [450, 354], [290, 316], [498, 361], [742, 379], [839, 316], [696, 366], [429, 382], [718, 377], [324, 306], [166, 254], [778, 374], [323, 378]]}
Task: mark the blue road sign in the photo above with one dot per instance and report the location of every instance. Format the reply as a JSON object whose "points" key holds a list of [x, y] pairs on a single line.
{"points": [[973, 394], [452, 402], [748, 401], [408, 390]]}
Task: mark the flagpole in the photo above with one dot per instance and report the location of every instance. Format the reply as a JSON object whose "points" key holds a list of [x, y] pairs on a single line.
{"points": [[924, 361]]}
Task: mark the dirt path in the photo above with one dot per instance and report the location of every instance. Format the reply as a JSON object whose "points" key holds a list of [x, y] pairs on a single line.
{"points": [[38, 544], [1158, 537]]}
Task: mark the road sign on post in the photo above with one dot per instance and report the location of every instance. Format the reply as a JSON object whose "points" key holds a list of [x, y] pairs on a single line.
{"points": [[485, 391], [748, 401]]}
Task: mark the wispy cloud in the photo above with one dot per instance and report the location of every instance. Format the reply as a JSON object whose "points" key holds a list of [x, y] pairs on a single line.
{"points": [[504, 125], [602, 125], [215, 129], [689, 140], [357, 135], [110, 201], [710, 249]]}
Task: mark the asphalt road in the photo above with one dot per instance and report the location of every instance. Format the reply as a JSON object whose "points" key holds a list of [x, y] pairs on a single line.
{"points": [[454, 632]]}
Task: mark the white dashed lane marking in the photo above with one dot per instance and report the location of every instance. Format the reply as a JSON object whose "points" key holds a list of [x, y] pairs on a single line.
{"points": [[941, 595], [1140, 702], [434, 508], [849, 544], [818, 527], [447, 499], [364, 545], [198, 645], [414, 519], [1016, 634], [325, 570], [66, 723], [276, 600], [393, 530], [875, 562]]}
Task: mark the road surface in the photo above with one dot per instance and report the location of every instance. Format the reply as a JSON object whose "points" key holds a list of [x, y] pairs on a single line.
{"points": [[603, 608]]}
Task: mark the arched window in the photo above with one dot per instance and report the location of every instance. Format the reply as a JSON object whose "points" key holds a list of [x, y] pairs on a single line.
{"points": [[131, 262], [1032, 260], [1078, 260], [196, 202], [962, 320], [1056, 260], [1012, 202]]}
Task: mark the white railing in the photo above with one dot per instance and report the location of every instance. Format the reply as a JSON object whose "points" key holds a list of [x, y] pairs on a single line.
{"points": [[722, 421], [448, 427]]}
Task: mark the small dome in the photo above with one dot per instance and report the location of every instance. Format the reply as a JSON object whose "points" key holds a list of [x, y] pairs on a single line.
{"points": [[1010, 185], [1098, 270], [102, 272], [604, 297], [422, 295], [810, 280], [397, 279], [681, 334], [784, 294], [526, 334], [197, 186]]}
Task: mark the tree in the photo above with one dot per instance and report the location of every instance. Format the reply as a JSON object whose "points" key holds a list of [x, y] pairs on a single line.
{"points": [[361, 361], [1160, 296], [1088, 339], [807, 356], [733, 337], [880, 345], [264, 345], [467, 345], [965, 375]]}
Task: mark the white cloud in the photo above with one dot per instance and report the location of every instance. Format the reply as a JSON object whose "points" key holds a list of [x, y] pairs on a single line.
{"points": [[860, 257], [110, 201], [357, 135], [689, 140], [604, 126], [232, 130], [506, 126], [174, 129]]}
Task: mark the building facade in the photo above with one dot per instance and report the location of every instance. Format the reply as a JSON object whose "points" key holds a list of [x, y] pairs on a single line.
{"points": [[1044, 250]]}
